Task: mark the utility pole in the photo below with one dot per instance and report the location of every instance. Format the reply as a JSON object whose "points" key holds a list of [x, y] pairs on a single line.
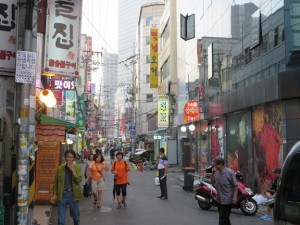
{"points": [[26, 127], [87, 61]]}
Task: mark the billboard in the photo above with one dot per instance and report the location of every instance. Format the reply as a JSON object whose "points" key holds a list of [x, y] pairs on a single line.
{"points": [[153, 58], [163, 111], [62, 42], [8, 34]]}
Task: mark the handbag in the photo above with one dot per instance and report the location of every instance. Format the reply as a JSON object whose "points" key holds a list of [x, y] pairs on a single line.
{"points": [[86, 191]]}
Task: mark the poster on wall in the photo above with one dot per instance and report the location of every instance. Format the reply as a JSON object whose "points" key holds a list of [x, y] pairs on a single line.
{"points": [[62, 40], [267, 143], [217, 139]]}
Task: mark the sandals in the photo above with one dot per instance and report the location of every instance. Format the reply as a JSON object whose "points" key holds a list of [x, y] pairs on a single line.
{"points": [[98, 205]]}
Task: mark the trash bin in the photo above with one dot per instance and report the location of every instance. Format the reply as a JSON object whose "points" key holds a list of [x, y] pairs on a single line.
{"points": [[188, 178]]}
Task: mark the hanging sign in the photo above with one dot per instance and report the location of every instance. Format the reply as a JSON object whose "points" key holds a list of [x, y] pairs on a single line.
{"points": [[163, 111], [62, 42], [191, 108], [8, 34]]}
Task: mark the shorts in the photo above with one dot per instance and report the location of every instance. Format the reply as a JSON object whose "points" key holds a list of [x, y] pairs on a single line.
{"points": [[97, 185]]}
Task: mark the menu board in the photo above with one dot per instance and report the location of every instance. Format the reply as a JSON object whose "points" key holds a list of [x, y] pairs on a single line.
{"points": [[47, 162]]}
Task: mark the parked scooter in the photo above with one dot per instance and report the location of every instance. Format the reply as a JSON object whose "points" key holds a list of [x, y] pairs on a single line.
{"points": [[206, 195]]}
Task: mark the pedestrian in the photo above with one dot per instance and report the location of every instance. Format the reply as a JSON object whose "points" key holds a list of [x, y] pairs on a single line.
{"points": [[225, 182], [67, 188], [112, 154], [87, 172], [162, 173], [98, 166], [271, 194], [85, 154], [121, 170]]}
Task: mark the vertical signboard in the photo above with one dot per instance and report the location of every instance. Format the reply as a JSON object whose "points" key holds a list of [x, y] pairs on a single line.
{"points": [[153, 58], [70, 105], [62, 42], [163, 111], [8, 34], [89, 55]]}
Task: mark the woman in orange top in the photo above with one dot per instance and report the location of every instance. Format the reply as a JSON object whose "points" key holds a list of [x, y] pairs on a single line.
{"points": [[96, 172], [121, 170]]}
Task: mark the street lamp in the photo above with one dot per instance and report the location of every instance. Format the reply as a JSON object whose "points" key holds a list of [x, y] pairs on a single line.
{"points": [[47, 97]]}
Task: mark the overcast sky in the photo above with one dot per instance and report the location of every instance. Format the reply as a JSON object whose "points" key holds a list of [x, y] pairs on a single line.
{"points": [[100, 20]]}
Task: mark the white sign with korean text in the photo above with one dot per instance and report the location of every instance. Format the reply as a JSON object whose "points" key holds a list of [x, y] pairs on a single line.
{"points": [[63, 37], [8, 34], [25, 67]]}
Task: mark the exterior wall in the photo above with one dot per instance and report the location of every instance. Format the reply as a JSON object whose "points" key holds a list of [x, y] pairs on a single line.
{"points": [[251, 104], [144, 108]]}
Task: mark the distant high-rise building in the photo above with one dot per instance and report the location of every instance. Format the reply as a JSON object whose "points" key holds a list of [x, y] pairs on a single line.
{"points": [[107, 90], [127, 22]]}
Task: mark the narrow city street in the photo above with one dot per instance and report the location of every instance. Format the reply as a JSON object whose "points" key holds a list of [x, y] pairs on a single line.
{"points": [[146, 209]]}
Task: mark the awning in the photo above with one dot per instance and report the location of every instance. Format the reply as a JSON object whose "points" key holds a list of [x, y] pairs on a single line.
{"points": [[44, 119]]}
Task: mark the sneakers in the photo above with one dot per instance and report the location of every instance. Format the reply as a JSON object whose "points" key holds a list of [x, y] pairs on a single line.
{"points": [[124, 204], [266, 217], [119, 206]]}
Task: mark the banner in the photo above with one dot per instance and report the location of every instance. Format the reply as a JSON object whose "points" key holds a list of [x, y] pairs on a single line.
{"points": [[8, 34], [62, 44], [163, 111], [153, 58]]}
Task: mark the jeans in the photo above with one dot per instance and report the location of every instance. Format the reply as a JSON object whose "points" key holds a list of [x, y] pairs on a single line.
{"points": [[224, 214], [163, 183], [67, 199]]}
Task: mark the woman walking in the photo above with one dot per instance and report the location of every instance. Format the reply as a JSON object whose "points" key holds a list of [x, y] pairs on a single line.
{"points": [[96, 172], [122, 177]]}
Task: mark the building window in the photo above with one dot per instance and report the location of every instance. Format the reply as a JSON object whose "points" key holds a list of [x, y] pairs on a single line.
{"points": [[165, 69], [147, 78], [148, 40], [165, 35], [147, 58], [149, 20], [149, 98]]}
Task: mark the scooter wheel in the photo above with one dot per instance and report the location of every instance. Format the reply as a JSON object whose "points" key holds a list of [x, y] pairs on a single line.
{"points": [[203, 205], [248, 207]]}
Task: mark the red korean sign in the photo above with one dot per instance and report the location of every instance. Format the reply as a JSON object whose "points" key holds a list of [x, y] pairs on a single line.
{"points": [[63, 38], [8, 34], [191, 109]]}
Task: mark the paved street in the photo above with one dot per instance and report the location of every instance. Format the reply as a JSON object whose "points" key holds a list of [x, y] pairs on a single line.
{"points": [[145, 208]]}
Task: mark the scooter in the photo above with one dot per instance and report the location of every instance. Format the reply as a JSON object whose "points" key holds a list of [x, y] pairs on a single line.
{"points": [[206, 195]]}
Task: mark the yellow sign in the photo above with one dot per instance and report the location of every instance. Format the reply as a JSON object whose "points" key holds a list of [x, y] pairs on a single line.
{"points": [[153, 58], [163, 111]]}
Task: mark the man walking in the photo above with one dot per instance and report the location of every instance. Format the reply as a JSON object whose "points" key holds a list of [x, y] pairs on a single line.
{"points": [[227, 189], [163, 173], [67, 189]]}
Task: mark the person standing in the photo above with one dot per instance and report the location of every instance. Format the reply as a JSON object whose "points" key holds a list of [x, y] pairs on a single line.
{"points": [[121, 170], [96, 172], [163, 173], [67, 188], [225, 182]]}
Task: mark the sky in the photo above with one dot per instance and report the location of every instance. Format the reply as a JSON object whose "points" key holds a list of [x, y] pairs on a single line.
{"points": [[100, 20]]}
